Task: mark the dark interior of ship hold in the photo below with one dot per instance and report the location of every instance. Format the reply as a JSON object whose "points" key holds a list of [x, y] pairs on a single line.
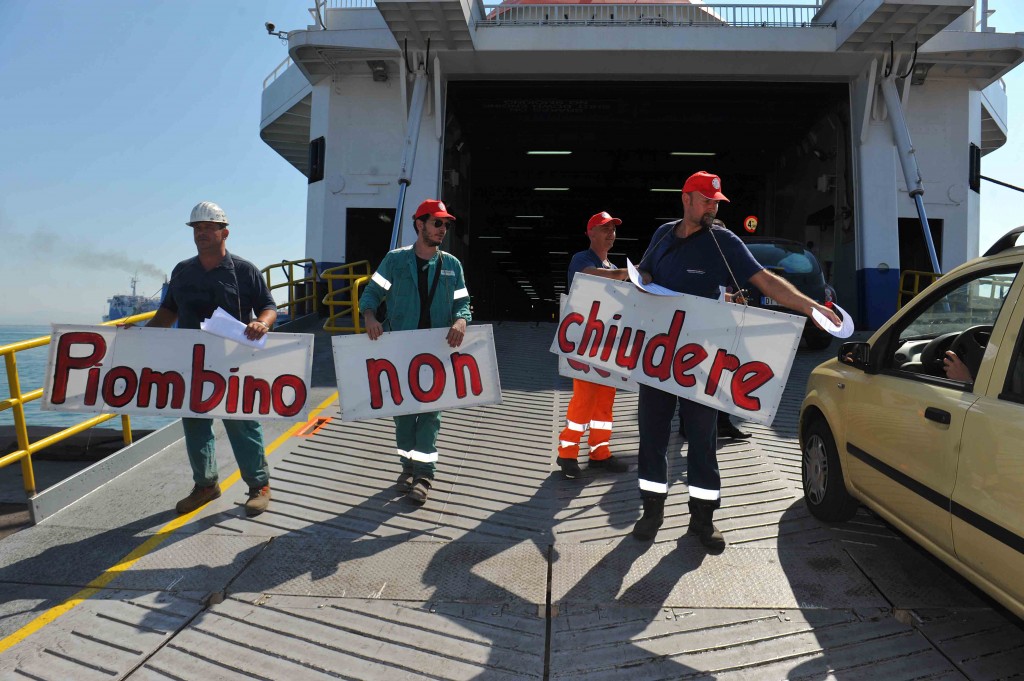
{"points": [[526, 164]]}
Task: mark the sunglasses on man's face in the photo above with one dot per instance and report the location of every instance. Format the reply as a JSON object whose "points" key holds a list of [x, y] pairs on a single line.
{"points": [[438, 223]]}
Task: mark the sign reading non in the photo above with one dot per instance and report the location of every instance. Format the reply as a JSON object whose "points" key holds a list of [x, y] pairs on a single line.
{"points": [[411, 372]]}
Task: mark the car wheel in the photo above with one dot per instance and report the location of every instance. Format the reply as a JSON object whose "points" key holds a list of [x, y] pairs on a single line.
{"points": [[824, 487]]}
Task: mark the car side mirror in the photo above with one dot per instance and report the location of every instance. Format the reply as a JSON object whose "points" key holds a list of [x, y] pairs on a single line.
{"points": [[855, 355]]}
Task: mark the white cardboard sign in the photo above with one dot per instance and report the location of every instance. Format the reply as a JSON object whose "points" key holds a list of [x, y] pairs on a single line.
{"points": [[411, 372], [574, 368], [732, 357], [176, 372]]}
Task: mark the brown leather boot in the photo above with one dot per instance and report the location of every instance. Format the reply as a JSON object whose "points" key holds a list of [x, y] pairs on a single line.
{"points": [[259, 499], [199, 496]]}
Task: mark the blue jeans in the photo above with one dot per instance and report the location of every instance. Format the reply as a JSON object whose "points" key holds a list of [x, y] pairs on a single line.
{"points": [[246, 439]]}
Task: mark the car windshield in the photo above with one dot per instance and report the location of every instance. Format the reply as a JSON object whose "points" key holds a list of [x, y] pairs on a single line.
{"points": [[788, 257]]}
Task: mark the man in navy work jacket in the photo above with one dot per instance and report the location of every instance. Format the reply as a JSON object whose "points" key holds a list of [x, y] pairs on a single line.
{"points": [[424, 289], [694, 256], [198, 286]]}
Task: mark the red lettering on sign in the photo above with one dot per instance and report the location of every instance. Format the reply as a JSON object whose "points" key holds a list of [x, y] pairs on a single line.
{"points": [[746, 380], [92, 384], [131, 384], [200, 377], [374, 369], [666, 342], [578, 366], [592, 332], [463, 364], [252, 388], [723, 362], [687, 357], [168, 386], [298, 387], [563, 328], [630, 359], [65, 363], [609, 341], [438, 378], [232, 404]]}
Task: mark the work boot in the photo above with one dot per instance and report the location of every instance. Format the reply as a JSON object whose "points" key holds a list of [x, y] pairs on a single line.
{"points": [[654, 515], [727, 430], [701, 514], [420, 490], [404, 482], [198, 497], [570, 468], [611, 464], [259, 499]]}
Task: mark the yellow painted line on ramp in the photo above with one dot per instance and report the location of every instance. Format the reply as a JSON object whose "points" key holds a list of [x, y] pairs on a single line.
{"points": [[108, 575]]}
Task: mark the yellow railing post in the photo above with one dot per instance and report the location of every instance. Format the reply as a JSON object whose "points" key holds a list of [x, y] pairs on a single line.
{"points": [[20, 426], [342, 297], [292, 283]]}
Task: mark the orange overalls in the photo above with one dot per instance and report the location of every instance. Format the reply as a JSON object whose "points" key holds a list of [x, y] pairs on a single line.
{"points": [[590, 406]]}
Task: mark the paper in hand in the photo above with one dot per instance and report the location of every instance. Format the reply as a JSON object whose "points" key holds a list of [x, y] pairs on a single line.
{"points": [[224, 325], [843, 331], [634, 276]]}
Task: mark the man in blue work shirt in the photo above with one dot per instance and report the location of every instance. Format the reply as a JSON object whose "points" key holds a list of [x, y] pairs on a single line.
{"points": [[198, 286], [694, 256], [424, 289], [591, 403]]}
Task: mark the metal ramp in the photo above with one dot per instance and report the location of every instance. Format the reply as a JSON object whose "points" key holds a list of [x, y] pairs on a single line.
{"points": [[508, 571]]}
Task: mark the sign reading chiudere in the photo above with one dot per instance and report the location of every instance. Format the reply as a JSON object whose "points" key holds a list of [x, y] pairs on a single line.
{"points": [[731, 357], [177, 372]]}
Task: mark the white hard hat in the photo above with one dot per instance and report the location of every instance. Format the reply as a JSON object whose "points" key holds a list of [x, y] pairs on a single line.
{"points": [[207, 211]]}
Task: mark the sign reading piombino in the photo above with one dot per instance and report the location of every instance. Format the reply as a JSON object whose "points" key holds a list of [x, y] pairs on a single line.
{"points": [[411, 372], [731, 357], [177, 372]]}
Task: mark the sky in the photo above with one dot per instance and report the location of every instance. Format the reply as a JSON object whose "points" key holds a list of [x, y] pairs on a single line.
{"points": [[118, 116]]}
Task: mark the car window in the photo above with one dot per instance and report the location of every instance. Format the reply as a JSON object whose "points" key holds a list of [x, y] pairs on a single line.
{"points": [[1013, 389], [957, 319], [972, 302], [791, 258]]}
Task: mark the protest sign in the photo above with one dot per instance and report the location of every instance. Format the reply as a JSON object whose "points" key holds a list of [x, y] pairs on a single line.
{"points": [[732, 357], [411, 372], [176, 372], [575, 369]]}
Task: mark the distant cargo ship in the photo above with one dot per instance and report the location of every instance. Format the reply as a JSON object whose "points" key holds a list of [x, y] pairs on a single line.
{"points": [[128, 304]]}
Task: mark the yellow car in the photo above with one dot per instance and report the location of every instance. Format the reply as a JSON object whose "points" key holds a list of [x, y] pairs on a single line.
{"points": [[931, 442]]}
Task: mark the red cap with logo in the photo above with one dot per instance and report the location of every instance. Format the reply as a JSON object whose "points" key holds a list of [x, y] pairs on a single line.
{"points": [[710, 186], [432, 208], [598, 219]]}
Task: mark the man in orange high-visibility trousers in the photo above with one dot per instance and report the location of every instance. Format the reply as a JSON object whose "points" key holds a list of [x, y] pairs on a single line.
{"points": [[591, 404]]}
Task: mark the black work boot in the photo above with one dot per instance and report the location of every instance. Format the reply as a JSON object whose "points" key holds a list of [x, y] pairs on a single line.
{"points": [[701, 514], [654, 515]]}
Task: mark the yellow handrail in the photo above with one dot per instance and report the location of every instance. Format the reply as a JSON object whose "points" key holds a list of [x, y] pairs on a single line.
{"points": [[918, 281], [306, 284], [17, 401], [342, 297]]}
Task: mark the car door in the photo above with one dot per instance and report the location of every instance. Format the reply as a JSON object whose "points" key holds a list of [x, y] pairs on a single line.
{"points": [[904, 423], [987, 505]]}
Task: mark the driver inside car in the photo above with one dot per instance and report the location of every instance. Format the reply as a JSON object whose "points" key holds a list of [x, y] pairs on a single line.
{"points": [[955, 368]]}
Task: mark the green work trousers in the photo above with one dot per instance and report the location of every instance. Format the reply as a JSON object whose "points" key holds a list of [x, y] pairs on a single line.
{"points": [[416, 439]]}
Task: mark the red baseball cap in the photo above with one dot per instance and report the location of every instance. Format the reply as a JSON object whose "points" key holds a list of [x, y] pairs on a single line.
{"points": [[433, 208], [598, 219], [709, 186]]}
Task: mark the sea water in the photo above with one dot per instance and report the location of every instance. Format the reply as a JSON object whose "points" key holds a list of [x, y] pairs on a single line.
{"points": [[31, 370]]}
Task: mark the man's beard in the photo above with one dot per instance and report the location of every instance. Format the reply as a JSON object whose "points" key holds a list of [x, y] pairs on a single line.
{"points": [[706, 220]]}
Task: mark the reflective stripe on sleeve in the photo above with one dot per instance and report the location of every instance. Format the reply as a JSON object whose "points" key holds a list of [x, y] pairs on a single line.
{"points": [[657, 487], [379, 279], [461, 293], [708, 494], [423, 457], [600, 425]]}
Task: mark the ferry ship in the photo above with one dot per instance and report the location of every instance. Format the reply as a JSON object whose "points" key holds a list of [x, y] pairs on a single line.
{"points": [[127, 304], [844, 123]]}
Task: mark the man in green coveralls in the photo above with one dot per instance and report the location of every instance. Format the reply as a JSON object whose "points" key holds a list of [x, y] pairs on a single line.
{"points": [[424, 289]]}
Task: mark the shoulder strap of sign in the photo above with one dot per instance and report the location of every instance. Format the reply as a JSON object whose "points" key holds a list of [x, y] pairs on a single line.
{"points": [[437, 277], [726, 261]]}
